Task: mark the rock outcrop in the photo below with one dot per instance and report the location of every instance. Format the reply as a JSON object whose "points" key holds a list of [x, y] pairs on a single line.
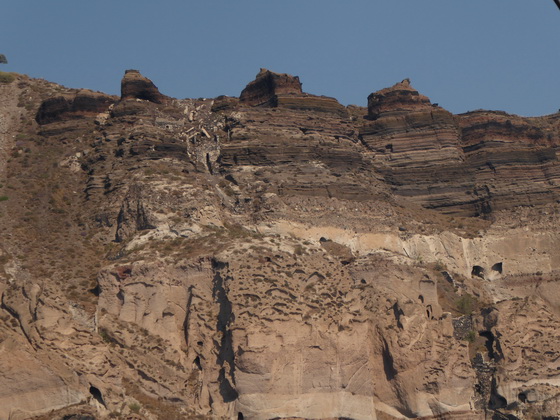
{"points": [[399, 99], [268, 86], [451, 162], [279, 255], [136, 86], [271, 89], [81, 104]]}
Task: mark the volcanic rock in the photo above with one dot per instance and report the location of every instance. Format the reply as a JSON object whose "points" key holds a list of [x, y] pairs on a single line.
{"points": [[400, 98], [277, 256], [283, 90], [452, 163], [136, 86], [81, 104], [267, 86]]}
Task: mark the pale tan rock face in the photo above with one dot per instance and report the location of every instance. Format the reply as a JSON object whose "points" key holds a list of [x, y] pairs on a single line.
{"points": [[300, 344], [220, 259], [29, 386]]}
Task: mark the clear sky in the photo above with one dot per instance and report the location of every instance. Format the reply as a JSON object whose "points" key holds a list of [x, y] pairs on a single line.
{"points": [[464, 55]]}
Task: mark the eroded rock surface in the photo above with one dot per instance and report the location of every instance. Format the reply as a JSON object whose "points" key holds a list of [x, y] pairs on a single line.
{"points": [[81, 104], [275, 256], [136, 86]]}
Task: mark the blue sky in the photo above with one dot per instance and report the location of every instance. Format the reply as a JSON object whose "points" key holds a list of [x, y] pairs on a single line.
{"points": [[464, 55]]}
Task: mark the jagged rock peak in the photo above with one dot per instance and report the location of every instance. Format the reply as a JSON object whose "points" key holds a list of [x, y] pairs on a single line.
{"points": [[397, 98], [266, 87], [136, 86]]}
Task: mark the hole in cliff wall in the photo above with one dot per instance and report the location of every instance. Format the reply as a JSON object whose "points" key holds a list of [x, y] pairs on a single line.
{"points": [[389, 147], [496, 400], [421, 298], [448, 277], [398, 312], [522, 397], [388, 363], [498, 267], [240, 416], [96, 291], [227, 392], [478, 271], [429, 311], [489, 343], [96, 393], [231, 179], [196, 361]]}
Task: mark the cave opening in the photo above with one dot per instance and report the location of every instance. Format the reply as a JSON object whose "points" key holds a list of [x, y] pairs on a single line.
{"points": [[489, 343], [96, 291], [498, 267], [429, 311], [96, 394], [398, 312], [477, 271], [388, 363], [496, 400]]}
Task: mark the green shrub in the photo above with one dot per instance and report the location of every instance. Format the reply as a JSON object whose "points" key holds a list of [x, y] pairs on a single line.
{"points": [[466, 304], [134, 407], [6, 77], [440, 266], [3, 197], [471, 336]]}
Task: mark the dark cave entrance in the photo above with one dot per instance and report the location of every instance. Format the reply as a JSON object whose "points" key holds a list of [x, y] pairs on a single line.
{"points": [[477, 271], [498, 267], [96, 394]]}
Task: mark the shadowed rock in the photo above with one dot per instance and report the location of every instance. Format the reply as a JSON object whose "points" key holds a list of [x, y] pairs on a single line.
{"points": [[271, 89], [82, 104], [136, 86]]}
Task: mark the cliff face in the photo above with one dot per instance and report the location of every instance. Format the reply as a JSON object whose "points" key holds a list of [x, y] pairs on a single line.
{"points": [[468, 164], [274, 256]]}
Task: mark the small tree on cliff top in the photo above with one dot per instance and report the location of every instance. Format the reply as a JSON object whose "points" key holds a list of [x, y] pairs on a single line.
{"points": [[3, 59]]}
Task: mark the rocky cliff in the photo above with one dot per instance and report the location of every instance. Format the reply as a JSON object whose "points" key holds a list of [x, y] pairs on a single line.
{"points": [[276, 255]]}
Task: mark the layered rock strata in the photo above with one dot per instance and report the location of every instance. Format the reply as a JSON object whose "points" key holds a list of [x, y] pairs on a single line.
{"points": [[81, 104], [275, 256], [460, 164], [136, 86], [267, 86]]}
